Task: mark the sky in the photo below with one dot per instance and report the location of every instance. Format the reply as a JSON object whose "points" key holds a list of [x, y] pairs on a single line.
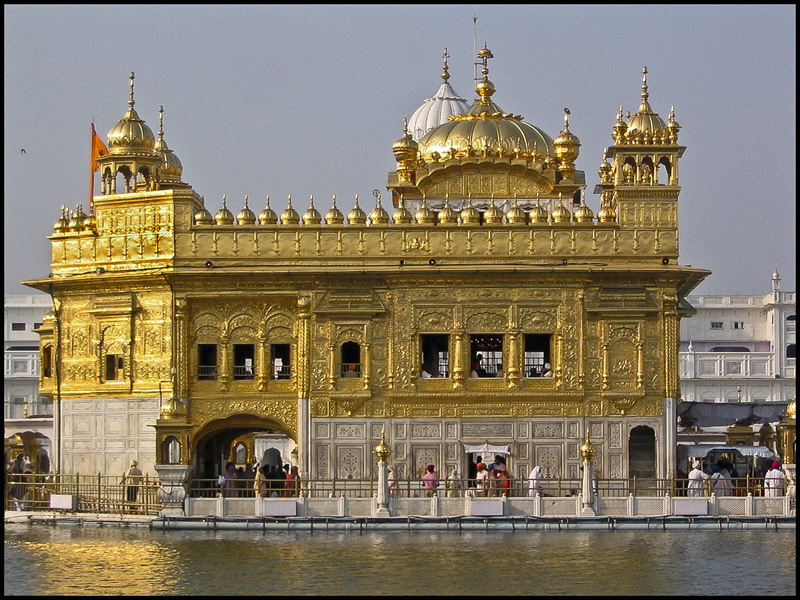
{"points": [[308, 99]]}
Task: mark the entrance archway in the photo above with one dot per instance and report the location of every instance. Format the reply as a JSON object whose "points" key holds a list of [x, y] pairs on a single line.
{"points": [[642, 452], [240, 439]]}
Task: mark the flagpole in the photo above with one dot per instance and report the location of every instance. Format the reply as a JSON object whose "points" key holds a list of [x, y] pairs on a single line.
{"points": [[91, 172]]}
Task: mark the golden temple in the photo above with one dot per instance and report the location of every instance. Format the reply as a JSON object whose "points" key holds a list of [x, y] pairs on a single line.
{"points": [[177, 334]]}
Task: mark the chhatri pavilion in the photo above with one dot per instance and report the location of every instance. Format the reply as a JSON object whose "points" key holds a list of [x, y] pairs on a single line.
{"points": [[431, 314]]}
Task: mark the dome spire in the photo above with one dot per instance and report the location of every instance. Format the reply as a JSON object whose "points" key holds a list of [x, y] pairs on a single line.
{"points": [[445, 74], [131, 101], [645, 94], [485, 88]]}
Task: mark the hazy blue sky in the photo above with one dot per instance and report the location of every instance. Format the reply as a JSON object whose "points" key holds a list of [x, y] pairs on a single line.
{"points": [[308, 99]]}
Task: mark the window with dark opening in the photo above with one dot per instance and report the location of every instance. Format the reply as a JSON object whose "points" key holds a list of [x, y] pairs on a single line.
{"points": [[537, 353], [47, 358], [351, 360], [486, 355], [18, 327], [114, 367], [207, 362], [791, 351], [435, 355], [281, 365], [243, 361]]}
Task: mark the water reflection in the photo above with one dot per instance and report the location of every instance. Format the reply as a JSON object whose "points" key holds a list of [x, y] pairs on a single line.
{"points": [[121, 561]]}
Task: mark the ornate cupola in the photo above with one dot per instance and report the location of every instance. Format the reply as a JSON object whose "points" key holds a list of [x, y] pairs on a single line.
{"points": [[583, 214], [267, 216], [290, 216], [357, 216], [402, 216], [515, 215], [312, 215], [132, 153], [334, 216], [203, 217], [470, 215], [405, 152], [224, 216], [493, 215], [561, 214], [448, 216], [169, 174], [567, 149], [378, 215], [246, 216], [537, 214]]}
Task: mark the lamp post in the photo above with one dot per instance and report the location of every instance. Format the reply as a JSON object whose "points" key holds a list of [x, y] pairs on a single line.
{"points": [[382, 451], [587, 495]]}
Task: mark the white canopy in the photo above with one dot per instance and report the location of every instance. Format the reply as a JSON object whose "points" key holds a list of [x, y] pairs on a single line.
{"points": [[701, 450], [487, 449]]}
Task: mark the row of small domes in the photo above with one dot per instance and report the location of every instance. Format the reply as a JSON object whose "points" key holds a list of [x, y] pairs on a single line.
{"points": [[379, 215]]}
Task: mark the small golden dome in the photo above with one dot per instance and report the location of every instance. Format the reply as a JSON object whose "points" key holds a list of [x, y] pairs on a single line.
{"points": [[791, 410], [90, 223], [645, 126], [378, 215], [567, 144], [584, 214], [290, 216], [334, 216], [171, 168], [448, 216], [224, 216], [267, 216], [312, 216], [605, 172], [425, 215], [203, 217], [357, 216], [538, 214], [672, 127], [561, 214], [515, 215], [470, 215], [405, 149], [77, 219], [246, 216], [606, 214], [402, 215], [619, 128], [62, 224], [493, 215], [131, 135]]}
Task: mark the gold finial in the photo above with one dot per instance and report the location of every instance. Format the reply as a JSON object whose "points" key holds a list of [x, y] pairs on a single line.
{"points": [[405, 126], [566, 120], [334, 201], [311, 201], [620, 114], [267, 206], [645, 95], [357, 206], [161, 122], [587, 450], [290, 201], [445, 74], [382, 451], [131, 101], [224, 198]]}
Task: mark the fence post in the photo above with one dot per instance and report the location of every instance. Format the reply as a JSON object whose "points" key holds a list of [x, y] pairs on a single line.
{"points": [[99, 484]]}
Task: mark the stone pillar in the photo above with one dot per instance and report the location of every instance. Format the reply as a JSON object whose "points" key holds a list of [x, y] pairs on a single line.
{"points": [[587, 493], [172, 493], [382, 451]]}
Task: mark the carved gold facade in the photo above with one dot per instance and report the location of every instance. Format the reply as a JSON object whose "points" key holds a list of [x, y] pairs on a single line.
{"points": [[168, 321]]}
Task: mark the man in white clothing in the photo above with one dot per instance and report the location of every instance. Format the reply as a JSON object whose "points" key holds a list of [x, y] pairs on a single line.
{"points": [[696, 479], [534, 481], [774, 480]]}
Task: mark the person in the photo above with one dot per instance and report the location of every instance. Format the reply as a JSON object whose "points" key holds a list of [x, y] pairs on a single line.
{"points": [[229, 487], [534, 481], [503, 482], [132, 477], [430, 481], [260, 481], [696, 478], [720, 481], [392, 480], [500, 372], [478, 367], [499, 463], [482, 480], [293, 483], [547, 371], [248, 477], [426, 371], [774, 480], [454, 484]]}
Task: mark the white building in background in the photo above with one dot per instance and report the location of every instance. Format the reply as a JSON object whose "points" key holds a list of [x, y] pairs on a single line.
{"points": [[740, 348], [27, 416]]}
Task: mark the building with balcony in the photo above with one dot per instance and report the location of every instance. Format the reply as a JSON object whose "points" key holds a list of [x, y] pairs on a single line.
{"points": [[27, 415]]}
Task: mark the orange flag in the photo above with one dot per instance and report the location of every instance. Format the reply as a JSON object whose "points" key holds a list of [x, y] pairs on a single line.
{"points": [[98, 149]]}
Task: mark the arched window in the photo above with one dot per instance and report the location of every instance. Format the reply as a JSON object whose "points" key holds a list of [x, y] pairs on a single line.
{"points": [[791, 351], [47, 361], [171, 451], [351, 360]]}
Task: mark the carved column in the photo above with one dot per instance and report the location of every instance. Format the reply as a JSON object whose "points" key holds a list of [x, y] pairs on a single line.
{"points": [[263, 366], [303, 360], [224, 375], [512, 363], [587, 484], [670, 347], [382, 452], [458, 360], [182, 350], [581, 339]]}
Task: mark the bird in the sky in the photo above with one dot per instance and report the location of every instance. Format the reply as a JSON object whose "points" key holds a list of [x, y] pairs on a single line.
{"points": [[23, 151]]}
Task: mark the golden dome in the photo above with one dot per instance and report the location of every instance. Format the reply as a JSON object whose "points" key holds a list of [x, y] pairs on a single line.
{"points": [[312, 216], [62, 224], [131, 135], [645, 125], [493, 215], [402, 215], [290, 216], [378, 215], [485, 129], [605, 171], [405, 149], [470, 215], [356, 216], [448, 216], [561, 214], [791, 410], [224, 216], [566, 144], [267, 216], [606, 214], [90, 223], [246, 216], [538, 214], [171, 169], [515, 215], [584, 214], [77, 218], [203, 217], [672, 127], [334, 216], [425, 215]]}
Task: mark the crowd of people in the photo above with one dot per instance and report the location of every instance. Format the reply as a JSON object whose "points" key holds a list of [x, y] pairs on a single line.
{"points": [[725, 480], [264, 481]]}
